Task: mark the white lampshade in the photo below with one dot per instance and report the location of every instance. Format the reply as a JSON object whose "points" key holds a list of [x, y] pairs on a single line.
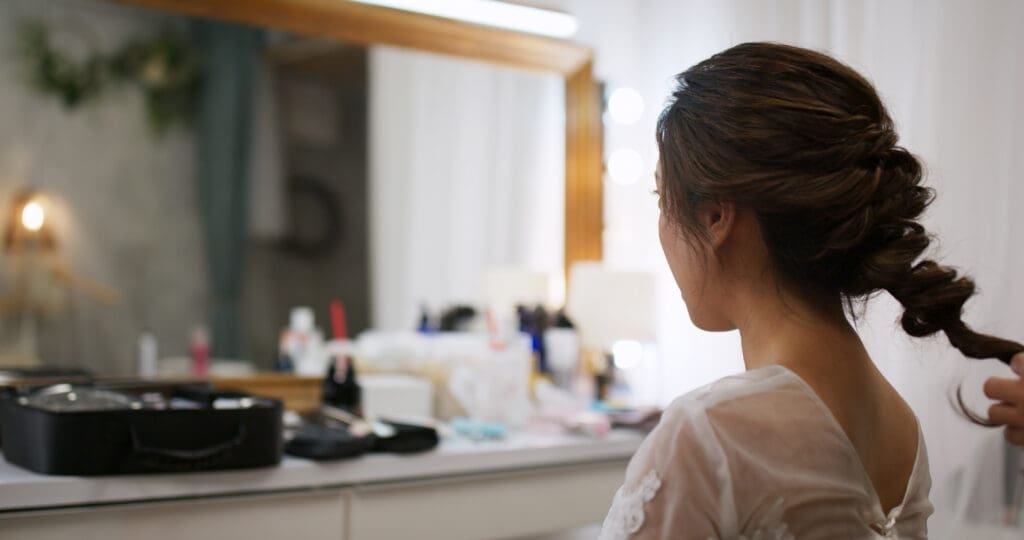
{"points": [[502, 289], [611, 305]]}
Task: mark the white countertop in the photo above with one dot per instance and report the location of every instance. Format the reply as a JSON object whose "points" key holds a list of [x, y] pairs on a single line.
{"points": [[21, 489]]}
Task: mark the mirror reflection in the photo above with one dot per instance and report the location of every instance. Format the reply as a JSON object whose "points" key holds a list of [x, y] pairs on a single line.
{"points": [[171, 182]]}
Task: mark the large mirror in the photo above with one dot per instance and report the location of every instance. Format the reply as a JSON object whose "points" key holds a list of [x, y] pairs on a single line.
{"points": [[195, 179]]}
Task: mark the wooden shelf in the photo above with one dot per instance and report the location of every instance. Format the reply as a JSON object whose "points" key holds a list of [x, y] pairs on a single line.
{"points": [[299, 393]]}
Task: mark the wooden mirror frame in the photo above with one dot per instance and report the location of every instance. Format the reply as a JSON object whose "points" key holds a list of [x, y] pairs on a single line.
{"points": [[363, 24]]}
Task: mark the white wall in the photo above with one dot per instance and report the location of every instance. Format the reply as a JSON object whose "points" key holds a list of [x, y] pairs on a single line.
{"points": [[951, 75]]}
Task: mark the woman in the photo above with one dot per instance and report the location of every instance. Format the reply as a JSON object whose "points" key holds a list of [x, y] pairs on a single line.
{"points": [[785, 199]]}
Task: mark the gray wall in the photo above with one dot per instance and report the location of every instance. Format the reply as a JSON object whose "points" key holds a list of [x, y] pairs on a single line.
{"points": [[127, 211], [126, 215]]}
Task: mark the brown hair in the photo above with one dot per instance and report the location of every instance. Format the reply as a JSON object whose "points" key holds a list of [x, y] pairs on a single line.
{"points": [[805, 142]]}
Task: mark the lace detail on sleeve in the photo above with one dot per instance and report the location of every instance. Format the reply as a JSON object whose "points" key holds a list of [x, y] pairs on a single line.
{"points": [[626, 515]]}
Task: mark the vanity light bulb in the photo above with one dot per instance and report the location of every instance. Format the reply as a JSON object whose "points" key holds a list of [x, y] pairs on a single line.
{"points": [[626, 106], [32, 216], [625, 166]]}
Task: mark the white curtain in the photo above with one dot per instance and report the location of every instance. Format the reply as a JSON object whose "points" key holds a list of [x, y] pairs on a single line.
{"points": [[952, 76], [466, 174]]}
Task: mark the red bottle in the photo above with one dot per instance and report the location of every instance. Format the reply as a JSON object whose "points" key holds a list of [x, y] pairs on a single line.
{"points": [[199, 348]]}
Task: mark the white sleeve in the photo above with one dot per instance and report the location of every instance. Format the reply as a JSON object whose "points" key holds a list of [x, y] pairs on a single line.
{"points": [[677, 485]]}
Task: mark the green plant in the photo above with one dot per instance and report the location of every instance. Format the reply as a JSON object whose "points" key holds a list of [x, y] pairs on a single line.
{"points": [[165, 68]]}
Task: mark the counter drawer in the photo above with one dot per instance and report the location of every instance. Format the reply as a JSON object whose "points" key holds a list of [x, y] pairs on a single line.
{"points": [[497, 505], [285, 515]]}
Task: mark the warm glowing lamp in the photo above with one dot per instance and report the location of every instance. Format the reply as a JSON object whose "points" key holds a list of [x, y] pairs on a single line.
{"points": [[28, 223], [32, 216]]}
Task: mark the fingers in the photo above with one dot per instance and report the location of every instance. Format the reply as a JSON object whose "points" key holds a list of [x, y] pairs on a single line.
{"points": [[1005, 414], [1015, 436], [1008, 390]]}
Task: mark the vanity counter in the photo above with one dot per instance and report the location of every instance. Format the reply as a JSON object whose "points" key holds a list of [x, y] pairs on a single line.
{"points": [[571, 476]]}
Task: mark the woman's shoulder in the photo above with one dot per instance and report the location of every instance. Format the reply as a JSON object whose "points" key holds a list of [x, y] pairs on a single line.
{"points": [[693, 421], [744, 409], [692, 450]]}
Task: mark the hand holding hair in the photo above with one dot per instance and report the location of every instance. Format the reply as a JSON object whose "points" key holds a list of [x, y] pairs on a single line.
{"points": [[1009, 393]]}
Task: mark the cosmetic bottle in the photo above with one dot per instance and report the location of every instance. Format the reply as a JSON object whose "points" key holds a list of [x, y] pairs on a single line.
{"points": [[340, 388], [199, 348], [424, 326], [148, 353], [303, 342]]}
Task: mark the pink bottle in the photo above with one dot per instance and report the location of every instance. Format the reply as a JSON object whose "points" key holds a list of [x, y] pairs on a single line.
{"points": [[199, 348]]}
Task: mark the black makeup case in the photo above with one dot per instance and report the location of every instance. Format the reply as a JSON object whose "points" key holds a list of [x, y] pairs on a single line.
{"points": [[137, 428]]}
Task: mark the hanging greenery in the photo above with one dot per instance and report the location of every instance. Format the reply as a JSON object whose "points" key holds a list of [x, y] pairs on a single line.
{"points": [[165, 68], [54, 73]]}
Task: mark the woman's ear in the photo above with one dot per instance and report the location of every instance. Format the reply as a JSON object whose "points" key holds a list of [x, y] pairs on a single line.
{"points": [[720, 222]]}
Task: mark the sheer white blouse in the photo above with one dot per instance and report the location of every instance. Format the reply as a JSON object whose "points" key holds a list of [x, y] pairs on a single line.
{"points": [[758, 456]]}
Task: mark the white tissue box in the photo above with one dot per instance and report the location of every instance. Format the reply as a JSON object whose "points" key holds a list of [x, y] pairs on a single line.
{"points": [[397, 396]]}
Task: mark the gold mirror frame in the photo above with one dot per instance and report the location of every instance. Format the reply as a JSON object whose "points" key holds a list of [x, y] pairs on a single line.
{"points": [[362, 24]]}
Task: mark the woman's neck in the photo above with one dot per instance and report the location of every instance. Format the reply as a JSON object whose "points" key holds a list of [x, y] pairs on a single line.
{"points": [[791, 331]]}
